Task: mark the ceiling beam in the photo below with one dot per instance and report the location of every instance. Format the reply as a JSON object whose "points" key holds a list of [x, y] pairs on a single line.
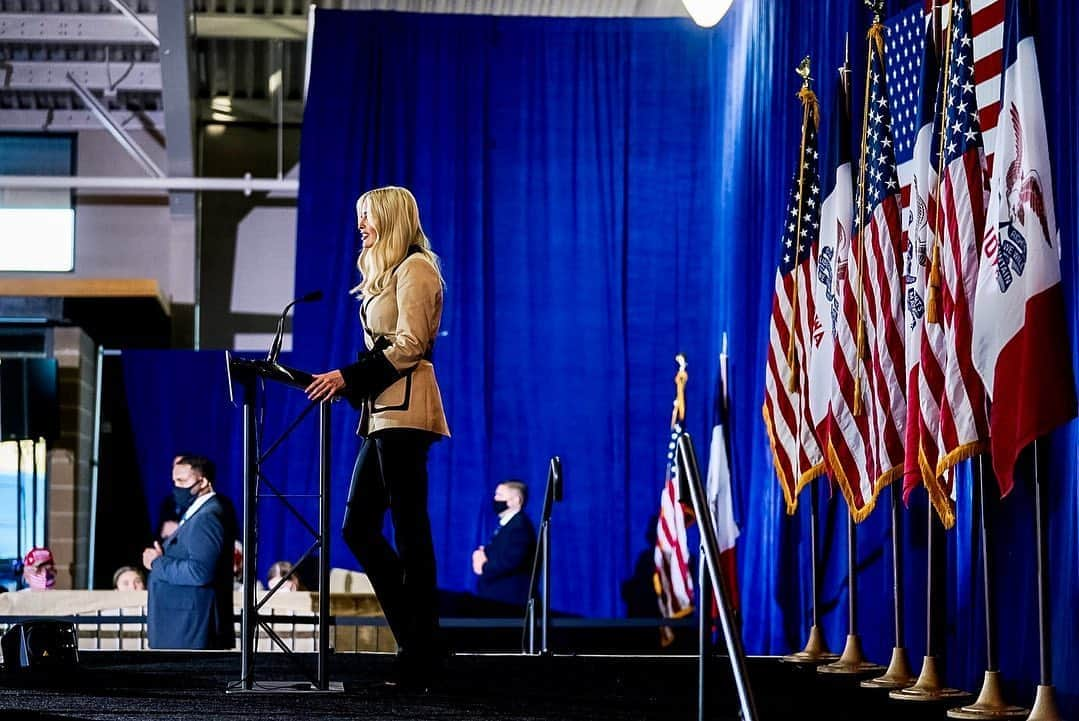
{"points": [[116, 131], [246, 185], [104, 28], [52, 75], [60, 120]]}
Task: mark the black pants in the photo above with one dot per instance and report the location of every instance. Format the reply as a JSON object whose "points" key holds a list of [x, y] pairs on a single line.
{"points": [[391, 472]]}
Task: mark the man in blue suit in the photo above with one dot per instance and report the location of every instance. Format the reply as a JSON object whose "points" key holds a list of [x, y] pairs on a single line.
{"points": [[190, 604], [504, 565]]}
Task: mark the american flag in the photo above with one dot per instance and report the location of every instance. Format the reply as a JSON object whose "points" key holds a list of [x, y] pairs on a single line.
{"points": [[673, 579], [958, 226], [923, 413], [795, 451], [880, 387], [905, 40], [944, 421]]}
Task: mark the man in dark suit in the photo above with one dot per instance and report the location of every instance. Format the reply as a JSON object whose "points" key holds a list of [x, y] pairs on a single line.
{"points": [[190, 603], [504, 565]]}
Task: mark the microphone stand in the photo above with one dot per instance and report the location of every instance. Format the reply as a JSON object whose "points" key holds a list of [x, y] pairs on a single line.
{"points": [[275, 346], [541, 561]]}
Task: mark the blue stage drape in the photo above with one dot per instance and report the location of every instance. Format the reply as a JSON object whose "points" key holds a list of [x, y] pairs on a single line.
{"points": [[604, 194]]}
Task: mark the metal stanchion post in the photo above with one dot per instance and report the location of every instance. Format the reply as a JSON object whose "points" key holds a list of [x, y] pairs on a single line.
{"points": [[248, 621], [323, 545]]}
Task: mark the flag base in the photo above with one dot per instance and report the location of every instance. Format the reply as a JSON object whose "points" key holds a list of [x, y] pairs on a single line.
{"points": [[898, 675], [990, 703], [853, 661], [1045, 705], [929, 687], [814, 654]]}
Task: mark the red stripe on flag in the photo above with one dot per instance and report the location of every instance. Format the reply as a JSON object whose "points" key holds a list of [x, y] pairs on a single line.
{"points": [[1022, 412], [989, 66], [987, 18]]}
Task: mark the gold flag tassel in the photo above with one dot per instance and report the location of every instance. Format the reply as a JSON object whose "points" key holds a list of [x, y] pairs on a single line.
{"points": [[810, 112], [932, 308], [680, 378], [858, 408]]}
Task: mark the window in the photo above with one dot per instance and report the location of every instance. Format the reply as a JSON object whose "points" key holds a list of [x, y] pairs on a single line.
{"points": [[37, 227], [22, 502]]}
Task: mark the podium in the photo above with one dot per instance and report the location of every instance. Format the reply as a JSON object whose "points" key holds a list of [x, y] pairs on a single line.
{"points": [[246, 375]]}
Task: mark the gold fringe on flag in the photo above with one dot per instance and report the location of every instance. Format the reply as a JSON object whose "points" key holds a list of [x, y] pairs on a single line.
{"points": [[932, 305]]}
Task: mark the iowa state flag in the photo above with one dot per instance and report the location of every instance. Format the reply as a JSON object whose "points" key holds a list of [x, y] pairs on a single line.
{"points": [[1018, 347], [720, 489]]}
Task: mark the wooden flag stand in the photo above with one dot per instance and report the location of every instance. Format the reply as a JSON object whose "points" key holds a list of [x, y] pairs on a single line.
{"points": [[853, 662], [898, 674], [816, 651], [990, 703], [930, 686]]}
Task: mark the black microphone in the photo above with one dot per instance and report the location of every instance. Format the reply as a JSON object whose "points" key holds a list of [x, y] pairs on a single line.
{"points": [[275, 347]]}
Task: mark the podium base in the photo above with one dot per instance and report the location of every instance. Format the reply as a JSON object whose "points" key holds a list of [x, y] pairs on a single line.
{"points": [[274, 687]]}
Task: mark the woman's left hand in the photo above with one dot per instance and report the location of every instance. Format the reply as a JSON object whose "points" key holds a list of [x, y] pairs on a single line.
{"points": [[325, 385]]}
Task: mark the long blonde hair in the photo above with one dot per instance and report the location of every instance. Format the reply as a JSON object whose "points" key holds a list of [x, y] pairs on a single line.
{"points": [[397, 219]]}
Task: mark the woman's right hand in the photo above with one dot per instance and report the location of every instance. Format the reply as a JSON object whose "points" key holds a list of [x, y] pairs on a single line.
{"points": [[325, 385]]}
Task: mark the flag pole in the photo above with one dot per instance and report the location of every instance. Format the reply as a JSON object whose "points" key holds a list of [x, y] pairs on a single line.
{"points": [[816, 650], [990, 703], [877, 7], [899, 674], [1045, 704], [853, 662], [929, 686], [809, 114]]}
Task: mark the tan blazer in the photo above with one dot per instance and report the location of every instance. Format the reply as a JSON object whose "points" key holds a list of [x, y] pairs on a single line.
{"points": [[407, 313]]}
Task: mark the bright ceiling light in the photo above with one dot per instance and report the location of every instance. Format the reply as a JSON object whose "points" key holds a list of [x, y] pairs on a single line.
{"points": [[707, 13]]}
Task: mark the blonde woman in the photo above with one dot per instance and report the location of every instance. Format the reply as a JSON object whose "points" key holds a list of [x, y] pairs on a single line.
{"points": [[393, 383]]}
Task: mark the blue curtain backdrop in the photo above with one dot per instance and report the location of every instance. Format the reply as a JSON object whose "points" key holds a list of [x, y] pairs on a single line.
{"points": [[604, 194]]}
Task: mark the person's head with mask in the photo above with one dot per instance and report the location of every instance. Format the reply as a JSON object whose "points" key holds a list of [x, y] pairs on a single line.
{"points": [[39, 569], [510, 497], [192, 477]]}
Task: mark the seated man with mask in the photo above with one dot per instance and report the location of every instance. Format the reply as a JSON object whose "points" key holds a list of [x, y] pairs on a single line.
{"points": [[504, 565], [190, 603]]}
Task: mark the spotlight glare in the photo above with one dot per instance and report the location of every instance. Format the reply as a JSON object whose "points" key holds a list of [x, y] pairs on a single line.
{"points": [[707, 13]]}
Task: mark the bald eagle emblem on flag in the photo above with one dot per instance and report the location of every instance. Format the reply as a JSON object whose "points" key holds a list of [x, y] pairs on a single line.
{"points": [[1023, 193]]}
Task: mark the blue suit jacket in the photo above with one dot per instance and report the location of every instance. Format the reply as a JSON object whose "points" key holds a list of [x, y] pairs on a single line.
{"points": [[509, 562], [190, 603]]}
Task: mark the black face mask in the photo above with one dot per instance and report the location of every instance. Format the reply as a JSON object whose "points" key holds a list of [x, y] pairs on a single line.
{"points": [[500, 506], [183, 498]]}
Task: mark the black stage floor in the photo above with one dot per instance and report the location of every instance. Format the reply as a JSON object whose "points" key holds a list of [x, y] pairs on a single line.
{"points": [[168, 686]]}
